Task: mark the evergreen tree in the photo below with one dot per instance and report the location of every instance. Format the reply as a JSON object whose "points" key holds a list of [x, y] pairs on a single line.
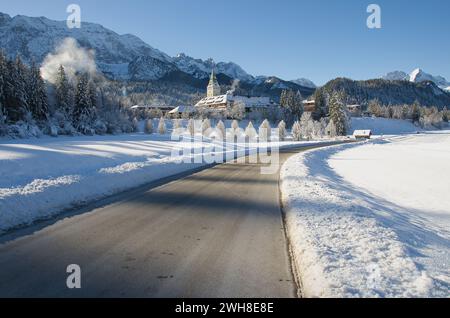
{"points": [[83, 114], [337, 113], [415, 112], [162, 126], [282, 130], [37, 95], [63, 96], [3, 74], [445, 115], [15, 97]]}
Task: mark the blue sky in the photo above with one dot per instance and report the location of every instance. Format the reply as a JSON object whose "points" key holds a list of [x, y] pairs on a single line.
{"points": [[319, 40]]}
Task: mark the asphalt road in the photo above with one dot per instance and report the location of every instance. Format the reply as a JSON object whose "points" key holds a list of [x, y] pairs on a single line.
{"points": [[215, 233]]}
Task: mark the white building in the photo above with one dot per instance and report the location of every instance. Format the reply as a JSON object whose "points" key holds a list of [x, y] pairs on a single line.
{"points": [[214, 101]]}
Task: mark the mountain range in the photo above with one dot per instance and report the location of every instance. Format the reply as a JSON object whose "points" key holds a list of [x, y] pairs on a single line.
{"points": [[128, 58], [418, 76]]}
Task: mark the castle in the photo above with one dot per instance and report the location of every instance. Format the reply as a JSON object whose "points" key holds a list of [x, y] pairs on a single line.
{"points": [[215, 101]]}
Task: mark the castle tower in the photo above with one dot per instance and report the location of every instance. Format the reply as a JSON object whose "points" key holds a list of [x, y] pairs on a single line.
{"points": [[213, 86]]}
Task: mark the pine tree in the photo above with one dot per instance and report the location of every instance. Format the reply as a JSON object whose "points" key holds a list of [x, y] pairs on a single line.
{"points": [[63, 96], [296, 131], [221, 128], [162, 126], [206, 125], [337, 113], [3, 74], [250, 131], [282, 130], [15, 97], [37, 95], [445, 115], [415, 112], [149, 126], [265, 131], [83, 112]]}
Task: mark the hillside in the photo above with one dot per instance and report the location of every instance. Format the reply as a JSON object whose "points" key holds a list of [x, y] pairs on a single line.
{"points": [[389, 92]]}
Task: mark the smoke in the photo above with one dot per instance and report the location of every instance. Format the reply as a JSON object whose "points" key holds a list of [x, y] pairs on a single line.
{"points": [[72, 57], [234, 86]]}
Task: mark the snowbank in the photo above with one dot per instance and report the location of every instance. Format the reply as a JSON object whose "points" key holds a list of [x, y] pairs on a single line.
{"points": [[383, 126], [42, 177], [370, 220]]}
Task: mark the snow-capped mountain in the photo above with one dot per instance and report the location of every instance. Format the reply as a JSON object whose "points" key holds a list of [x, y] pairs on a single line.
{"points": [[119, 57], [202, 68], [304, 82], [396, 76], [34, 38], [418, 76]]}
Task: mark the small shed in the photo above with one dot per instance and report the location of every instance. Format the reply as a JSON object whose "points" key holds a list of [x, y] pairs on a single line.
{"points": [[362, 134]]}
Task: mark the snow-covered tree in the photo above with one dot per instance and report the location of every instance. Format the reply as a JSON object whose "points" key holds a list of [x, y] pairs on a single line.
{"points": [[282, 130], [292, 104], [149, 126], [15, 92], [265, 131], [162, 126], [235, 127], [191, 127], [338, 113], [64, 101], [250, 131], [206, 126], [135, 124], [296, 131], [83, 115], [177, 127], [331, 129], [3, 73], [221, 128], [237, 111], [37, 95]]}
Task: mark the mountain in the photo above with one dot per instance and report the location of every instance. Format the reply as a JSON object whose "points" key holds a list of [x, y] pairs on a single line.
{"points": [[202, 69], [125, 57], [388, 92], [396, 76], [418, 76], [304, 82]]}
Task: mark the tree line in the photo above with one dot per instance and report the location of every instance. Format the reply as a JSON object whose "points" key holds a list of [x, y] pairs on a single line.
{"points": [[79, 105]]}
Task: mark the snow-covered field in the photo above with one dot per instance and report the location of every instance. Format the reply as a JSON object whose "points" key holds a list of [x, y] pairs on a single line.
{"points": [[384, 126], [42, 177], [372, 219]]}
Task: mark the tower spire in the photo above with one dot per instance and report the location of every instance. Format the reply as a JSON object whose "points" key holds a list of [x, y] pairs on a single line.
{"points": [[213, 86]]}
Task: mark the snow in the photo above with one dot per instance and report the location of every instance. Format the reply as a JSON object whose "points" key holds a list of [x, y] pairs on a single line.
{"points": [[40, 178], [371, 219], [383, 126]]}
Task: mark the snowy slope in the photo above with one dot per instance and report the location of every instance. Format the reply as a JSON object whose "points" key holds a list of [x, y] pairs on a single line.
{"points": [[365, 224]]}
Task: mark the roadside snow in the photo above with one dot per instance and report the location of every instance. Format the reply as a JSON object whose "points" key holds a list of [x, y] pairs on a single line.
{"points": [[371, 220], [42, 177]]}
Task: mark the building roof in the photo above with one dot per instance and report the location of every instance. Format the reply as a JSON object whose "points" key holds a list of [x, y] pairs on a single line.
{"points": [[215, 100], [253, 102], [366, 133], [151, 107], [183, 109]]}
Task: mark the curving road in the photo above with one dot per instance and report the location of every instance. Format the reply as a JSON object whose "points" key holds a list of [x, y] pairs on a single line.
{"points": [[214, 233]]}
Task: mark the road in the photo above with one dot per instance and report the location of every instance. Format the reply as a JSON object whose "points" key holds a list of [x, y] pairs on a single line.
{"points": [[215, 233]]}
